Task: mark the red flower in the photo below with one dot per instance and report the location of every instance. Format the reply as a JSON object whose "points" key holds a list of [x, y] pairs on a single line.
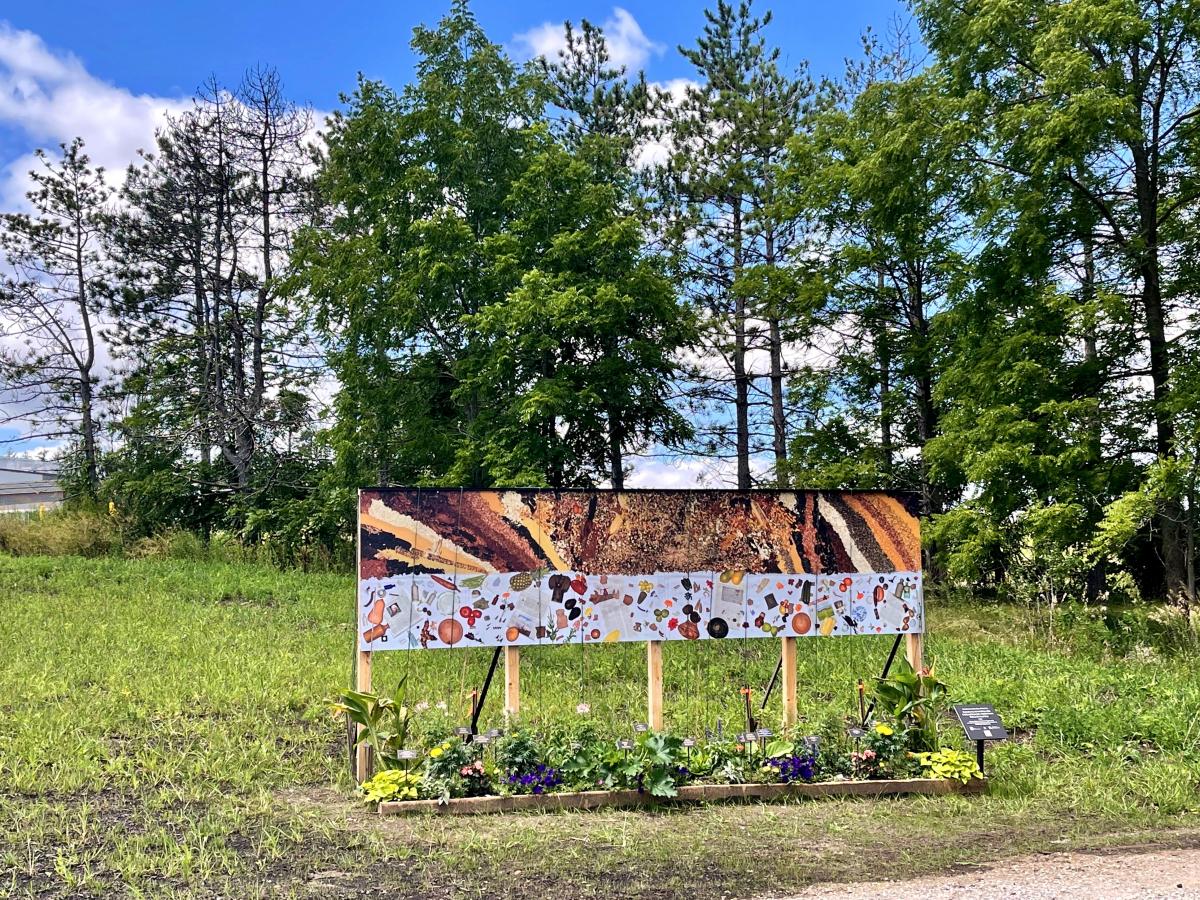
{"points": [[672, 623]]}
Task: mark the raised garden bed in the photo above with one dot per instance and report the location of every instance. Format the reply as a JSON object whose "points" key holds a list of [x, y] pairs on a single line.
{"points": [[692, 793]]}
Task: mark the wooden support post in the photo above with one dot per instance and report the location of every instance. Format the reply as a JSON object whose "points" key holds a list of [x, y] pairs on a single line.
{"points": [[788, 651], [512, 681], [654, 684], [914, 649], [362, 682]]}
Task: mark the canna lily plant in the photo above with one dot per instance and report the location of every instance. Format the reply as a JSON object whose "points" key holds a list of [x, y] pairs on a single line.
{"points": [[385, 722], [916, 700]]}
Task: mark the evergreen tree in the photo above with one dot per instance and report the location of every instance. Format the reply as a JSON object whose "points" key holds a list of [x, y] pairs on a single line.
{"points": [[53, 298], [723, 216]]}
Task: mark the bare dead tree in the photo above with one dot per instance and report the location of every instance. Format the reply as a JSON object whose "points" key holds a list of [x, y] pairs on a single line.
{"points": [[207, 226]]}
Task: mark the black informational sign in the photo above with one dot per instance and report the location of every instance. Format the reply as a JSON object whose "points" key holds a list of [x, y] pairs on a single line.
{"points": [[980, 722]]}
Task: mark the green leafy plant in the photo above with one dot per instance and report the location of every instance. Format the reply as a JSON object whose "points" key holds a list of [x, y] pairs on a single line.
{"points": [[390, 784], [385, 721], [950, 763], [579, 756], [654, 764], [884, 753], [916, 700], [520, 751], [454, 768], [722, 762]]}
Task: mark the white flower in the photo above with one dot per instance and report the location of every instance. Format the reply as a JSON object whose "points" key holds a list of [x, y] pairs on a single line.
{"points": [[583, 709], [421, 707], [442, 705]]}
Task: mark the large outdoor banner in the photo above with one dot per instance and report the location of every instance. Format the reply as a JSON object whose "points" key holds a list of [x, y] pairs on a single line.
{"points": [[458, 568]]}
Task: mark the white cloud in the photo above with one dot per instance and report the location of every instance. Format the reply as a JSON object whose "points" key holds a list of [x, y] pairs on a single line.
{"points": [[693, 472], [49, 97], [627, 44]]}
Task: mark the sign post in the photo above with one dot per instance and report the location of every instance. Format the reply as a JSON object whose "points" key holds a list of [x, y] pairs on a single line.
{"points": [[915, 651], [512, 681], [362, 684], [788, 660], [981, 724], [654, 684]]}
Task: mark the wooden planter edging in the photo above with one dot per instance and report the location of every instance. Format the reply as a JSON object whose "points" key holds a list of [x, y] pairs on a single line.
{"points": [[692, 793]]}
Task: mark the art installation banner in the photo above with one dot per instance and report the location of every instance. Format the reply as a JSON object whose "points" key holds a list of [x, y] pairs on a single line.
{"points": [[450, 568]]}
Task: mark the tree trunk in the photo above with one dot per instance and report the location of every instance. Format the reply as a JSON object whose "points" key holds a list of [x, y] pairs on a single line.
{"points": [[927, 415], [884, 349], [1170, 519], [778, 418], [741, 381], [88, 431], [615, 453], [88, 422]]}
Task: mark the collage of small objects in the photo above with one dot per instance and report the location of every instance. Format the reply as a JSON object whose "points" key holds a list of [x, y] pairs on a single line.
{"points": [[444, 568], [425, 611]]}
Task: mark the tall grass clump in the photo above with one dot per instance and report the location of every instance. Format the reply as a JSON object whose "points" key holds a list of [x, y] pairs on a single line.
{"points": [[59, 532]]}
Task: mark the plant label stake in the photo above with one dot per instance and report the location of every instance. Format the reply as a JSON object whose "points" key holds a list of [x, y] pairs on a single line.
{"points": [[407, 756], [762, 734], [626, 745], [981, 723]]}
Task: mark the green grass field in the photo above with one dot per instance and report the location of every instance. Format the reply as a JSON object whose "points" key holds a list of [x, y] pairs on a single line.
{"points": [[162, 732]]}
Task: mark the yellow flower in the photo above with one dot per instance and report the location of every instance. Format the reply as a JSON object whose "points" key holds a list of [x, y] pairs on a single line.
{"points": [[885, 730], [112, 508], [436, 752]]}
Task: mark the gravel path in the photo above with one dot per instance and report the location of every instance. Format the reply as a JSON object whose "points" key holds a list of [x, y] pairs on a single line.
{"points": [[1172, 874]]}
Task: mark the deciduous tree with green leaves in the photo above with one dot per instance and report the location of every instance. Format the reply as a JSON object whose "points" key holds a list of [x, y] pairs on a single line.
{"points": [[1101, 98]]}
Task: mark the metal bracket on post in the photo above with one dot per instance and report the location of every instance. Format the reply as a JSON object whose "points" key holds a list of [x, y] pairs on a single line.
{"points": [[887, 667], [771, 683], [487, 683]]}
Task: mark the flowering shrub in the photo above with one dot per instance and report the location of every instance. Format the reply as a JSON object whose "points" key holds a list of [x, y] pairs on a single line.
{"points": [[476, 779], [884, 754], [445, 765]]}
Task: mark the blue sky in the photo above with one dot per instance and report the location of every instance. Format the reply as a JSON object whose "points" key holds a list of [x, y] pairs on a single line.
{"points": [[167, 48], [109, 72]]}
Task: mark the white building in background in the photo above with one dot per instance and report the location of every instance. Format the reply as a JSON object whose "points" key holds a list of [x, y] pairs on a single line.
{"points": [[27, 485]]}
